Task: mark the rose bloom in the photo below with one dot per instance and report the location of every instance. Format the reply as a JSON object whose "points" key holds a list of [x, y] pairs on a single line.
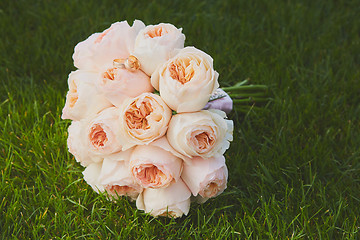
{"points": [[112, 176], [206, 177], [205, 133], [143, 119], [154, 44], [187, 80], [82, 99], [173, 201], [155, 165], [101, 133], [117, 84], [90, 140], [116, 177], [100, 49], [76, 145]]}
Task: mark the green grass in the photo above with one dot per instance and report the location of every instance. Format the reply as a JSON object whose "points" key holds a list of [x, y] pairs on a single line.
{"points": [[294, 167]]}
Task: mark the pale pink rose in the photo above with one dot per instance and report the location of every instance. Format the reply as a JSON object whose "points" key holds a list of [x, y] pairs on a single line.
{"points": [[143, 119], [82, 99], [187, 80], [116, 177], [91, 139], [102, 132], [100, 49], [224, 104], [205, 133], [155, 165], [77, 147], [117, 84], [154, 44], [173, 201], [206, 177]]}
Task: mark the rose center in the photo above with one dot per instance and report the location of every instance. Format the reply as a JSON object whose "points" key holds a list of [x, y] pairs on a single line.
{"points": [[181, 71], [150, 175], [73, 97], [98, 136], [211, 190], [156, 32], [116, 189], [136, 116], [109, 74]]}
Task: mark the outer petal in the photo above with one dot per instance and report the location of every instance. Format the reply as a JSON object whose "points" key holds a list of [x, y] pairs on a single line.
{"points": [[173, 201]]}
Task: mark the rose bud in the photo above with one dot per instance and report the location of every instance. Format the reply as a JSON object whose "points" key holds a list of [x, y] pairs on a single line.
{"points": [[116, 177], [100, 49], [117, 84], [206, 177], [155, 165], [187, 80], [173, 201], [82, 99], [143, 119], [205, 133], [154, 44]]}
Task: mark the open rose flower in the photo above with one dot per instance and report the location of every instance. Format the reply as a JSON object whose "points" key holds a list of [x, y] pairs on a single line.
{"points": [[187, 80], [91, 139], [101, 133], [205, 133], [100, 49], [76, 145], [173, 201], [82, 99], [155, 165], [116, 178], [205, 177], [143, 119], [154, 44], [117, 84]]}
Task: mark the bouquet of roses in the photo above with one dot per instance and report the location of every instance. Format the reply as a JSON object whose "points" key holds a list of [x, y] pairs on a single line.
{"points": [[149, 119]]}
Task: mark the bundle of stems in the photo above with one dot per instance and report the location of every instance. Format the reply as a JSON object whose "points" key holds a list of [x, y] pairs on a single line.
{"points": [[247, 96]]}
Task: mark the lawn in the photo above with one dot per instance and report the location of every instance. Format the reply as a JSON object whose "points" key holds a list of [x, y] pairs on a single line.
{"points": [[294, 165]]}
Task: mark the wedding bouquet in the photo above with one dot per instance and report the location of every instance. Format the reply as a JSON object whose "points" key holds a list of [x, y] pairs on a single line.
{"points": [[148, 117]]}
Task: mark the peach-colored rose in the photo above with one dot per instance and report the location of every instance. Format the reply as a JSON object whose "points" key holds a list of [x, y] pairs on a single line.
{"points": [[206, 177], [187, 80], [91, 139], [155, 165], [205, 133], [116, 177], [100, 49], [172, 201], [117, 84], [82, 99], [112, 175], [143, 119], [77, 146], [102, 132], [154, 44]]}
